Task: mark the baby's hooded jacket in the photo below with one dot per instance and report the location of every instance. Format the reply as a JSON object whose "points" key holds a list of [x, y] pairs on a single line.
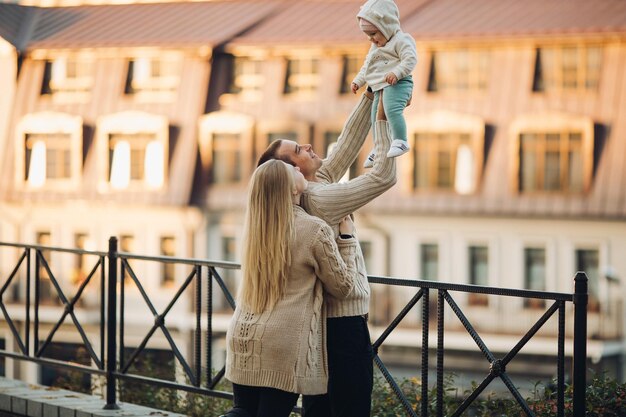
{"points": [[398, 55]]}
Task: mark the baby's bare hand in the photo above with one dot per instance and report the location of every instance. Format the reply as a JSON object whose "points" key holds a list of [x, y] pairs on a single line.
{"points": [[354, 87], [391, 78]]}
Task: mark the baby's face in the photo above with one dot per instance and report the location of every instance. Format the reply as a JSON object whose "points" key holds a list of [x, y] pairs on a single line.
{"points": [[376, 37]]}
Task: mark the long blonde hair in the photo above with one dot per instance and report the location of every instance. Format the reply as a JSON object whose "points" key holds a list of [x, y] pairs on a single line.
{"points": [[268, 235]]}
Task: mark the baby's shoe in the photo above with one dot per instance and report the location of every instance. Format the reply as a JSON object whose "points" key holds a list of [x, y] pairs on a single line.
{"points": [[369, 161], [398, 147]]}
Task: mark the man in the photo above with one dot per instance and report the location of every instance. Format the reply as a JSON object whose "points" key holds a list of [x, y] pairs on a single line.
{"points": [[348, 342]]}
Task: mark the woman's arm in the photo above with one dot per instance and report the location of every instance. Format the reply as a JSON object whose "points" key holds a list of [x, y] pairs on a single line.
{"points": [[335, 262]]}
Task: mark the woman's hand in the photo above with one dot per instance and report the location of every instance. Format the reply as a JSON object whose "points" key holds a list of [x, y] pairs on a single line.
{"points": [[380, 114], [346, 227]]}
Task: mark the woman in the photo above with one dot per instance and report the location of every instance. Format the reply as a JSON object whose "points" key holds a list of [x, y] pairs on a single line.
{"points": [[276, 347]]}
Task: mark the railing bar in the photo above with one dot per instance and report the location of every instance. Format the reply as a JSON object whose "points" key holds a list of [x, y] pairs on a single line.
{"points": [[138, 350], [122, 282], [518, 397], [178, 355], [218, 377], [397, 320], [28, 279], [12, 274], [53, 248], [425, 334], [179, 293], [468, 326], [174, 385], [53, 279], [14, 330], [480, 388], [52, 362], [139, 287], [198, 335], [102, 308], [560, 409], [39, 349], [440, 325], [394, 387], [209, 327], [437, 285], [531, 332], [224, 288], [86, 341], [188, 261], [37, 294]]}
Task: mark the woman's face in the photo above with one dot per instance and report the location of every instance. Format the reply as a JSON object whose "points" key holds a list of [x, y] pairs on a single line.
{"points": [[298, 179]]}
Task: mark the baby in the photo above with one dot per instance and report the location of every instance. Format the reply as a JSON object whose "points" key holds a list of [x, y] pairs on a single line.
{"points": [[388, 65]]}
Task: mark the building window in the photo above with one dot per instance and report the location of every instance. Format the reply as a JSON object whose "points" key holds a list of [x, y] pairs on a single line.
{"points": [[351, 66], [567, 68], [588, 261], [478, 273], [247, 78], [330, 141], [429, 257], [154, 77], [460, 70], [551, 161], [444, 162], [135, 158], [47, 293], [79, 270], [168, 270], [534, 275], [48, 157], [70, 76], [68, 353], [302, 76], [127, 245], [226, 158]]}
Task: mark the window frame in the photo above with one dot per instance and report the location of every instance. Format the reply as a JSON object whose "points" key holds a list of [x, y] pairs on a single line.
{"points": [[131, 123], [160, 88], [474, 71], [550, 123], [442, 122], [541, 85], [50, 123], [306, 85], [66, 89]]}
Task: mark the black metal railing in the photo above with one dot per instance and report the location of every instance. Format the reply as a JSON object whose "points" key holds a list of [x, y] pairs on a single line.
{"points": [[114, 365]]}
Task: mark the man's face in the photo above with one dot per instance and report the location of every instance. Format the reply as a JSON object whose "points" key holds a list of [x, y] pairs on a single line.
{"points": [[302, 156]]}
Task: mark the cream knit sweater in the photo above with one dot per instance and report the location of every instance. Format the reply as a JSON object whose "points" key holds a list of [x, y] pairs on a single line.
{"points": [[331, 201], [285, 348]]}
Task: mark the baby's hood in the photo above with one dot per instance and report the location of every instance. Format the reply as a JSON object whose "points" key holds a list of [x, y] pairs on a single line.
{"points": [[383, 14]]}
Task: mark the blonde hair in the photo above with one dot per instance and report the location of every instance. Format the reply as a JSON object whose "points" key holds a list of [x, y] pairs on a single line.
{"points": [[268, 235]]}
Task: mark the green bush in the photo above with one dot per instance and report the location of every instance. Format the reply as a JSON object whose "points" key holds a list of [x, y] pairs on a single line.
{"points": [[605, 398]]}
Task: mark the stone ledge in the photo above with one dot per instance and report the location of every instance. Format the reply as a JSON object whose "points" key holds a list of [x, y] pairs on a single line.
{"points": [[20, 399]]}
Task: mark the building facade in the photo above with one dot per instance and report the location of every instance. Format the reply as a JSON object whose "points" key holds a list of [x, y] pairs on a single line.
{"points": [[145, 121]]}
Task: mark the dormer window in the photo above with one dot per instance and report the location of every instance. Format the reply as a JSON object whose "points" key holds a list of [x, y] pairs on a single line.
{"points": [[461, 70], [134, 149], [68, 78], [567, 68], [154, 78], [351, 66], [49, 150], [554, 154], [302, 76], [447, 152], [248, 78]]}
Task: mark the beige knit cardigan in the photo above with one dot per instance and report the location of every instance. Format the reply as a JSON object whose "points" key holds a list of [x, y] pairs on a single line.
{"points": [[331, 200], [285, 348]]}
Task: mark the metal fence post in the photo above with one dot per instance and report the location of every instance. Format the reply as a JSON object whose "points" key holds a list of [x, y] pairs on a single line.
{"points": [[580, 343], [111, 358]]}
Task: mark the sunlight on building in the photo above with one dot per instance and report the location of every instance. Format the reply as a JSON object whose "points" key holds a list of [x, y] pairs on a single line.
{"points": [[120, 167], [464, 178], [37, 166], [154, 165]]}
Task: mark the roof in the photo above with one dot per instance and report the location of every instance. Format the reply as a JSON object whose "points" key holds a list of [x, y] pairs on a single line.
{"points": [[14, 23], [316, 22], [159, 24], [489, 18]]}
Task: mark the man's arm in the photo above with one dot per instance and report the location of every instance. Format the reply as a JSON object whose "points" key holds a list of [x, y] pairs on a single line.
{"points": [[349, 143], [333, 201]]}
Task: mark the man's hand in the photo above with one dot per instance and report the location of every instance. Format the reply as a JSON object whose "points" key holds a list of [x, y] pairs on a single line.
{"points": [[354, 88], [380, 114], [391, 78]]}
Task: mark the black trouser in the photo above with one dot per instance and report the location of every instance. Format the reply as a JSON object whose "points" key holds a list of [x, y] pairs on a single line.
{"points": [[262, 402], [350, 371]]}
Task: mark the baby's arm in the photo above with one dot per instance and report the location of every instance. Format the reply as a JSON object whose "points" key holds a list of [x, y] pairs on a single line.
{"points": [[359, 80], [407, 52]]}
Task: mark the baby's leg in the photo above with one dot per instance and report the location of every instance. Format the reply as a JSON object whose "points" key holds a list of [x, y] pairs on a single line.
{"points": [[394, 100]]}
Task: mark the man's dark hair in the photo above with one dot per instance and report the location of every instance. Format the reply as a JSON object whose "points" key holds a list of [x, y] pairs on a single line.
{"points": [[272, 153]]}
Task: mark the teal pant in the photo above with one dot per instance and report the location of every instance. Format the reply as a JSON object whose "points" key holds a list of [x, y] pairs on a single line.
{"points": [[394, 102]]}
